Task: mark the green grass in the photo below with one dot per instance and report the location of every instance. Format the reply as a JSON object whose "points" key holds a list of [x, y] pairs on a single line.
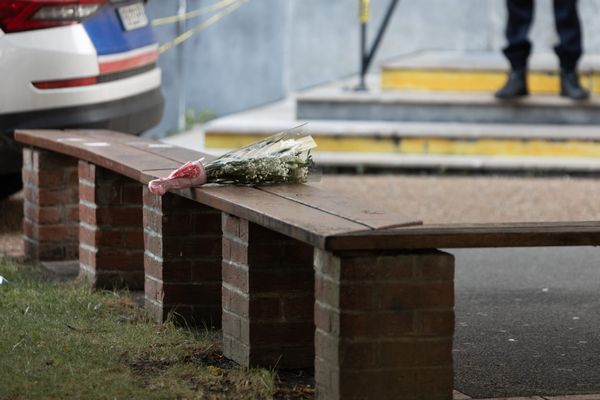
{"points": [[60, 341]]}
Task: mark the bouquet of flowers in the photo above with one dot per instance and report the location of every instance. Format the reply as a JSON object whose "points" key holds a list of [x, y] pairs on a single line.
{"points": [[281, 158]]}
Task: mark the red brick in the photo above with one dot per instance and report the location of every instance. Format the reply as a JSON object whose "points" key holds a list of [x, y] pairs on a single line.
{"points": [[177, 225], [232, 325], [87, 257], [188, 247], [72, 212], [376, 325], [87, 193], [46, 197], [266, 308], [177, 271], [119, 262], [207, 223], [207, 270], [87, 214], [281, 332], [299, 307], [45, 159], [57, 233], [152, 220], [50, 178], [152, 201], [153, 244], [119, 217], [132, 194], [87, 171], [281, 281], [208, 294], [238, 252], [235, 276], [153, 267], [27, 158], [434, 323], [326, 319], [226, 248], [230, 225], [409, 384], [154, 289], [87, 236], [381, 268], [133, 239], [235, 303], [435, 267], [29, 229], [372, 296]]}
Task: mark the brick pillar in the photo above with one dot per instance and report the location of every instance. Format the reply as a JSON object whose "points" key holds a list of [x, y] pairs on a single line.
{"points": [[268, 297], [182, 260], [51, 206], [111, 250], [385, 324]]}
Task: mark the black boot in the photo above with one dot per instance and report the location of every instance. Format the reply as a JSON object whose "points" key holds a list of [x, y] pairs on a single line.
{"points": [[516, 85], [570, 87]]}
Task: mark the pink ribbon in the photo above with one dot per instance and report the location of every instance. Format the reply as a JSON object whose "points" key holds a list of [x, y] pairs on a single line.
{"points": [[189, 175]]}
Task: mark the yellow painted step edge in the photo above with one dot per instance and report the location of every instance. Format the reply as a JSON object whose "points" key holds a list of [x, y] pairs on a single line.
{"points": [[432, 146], [475, 81]]}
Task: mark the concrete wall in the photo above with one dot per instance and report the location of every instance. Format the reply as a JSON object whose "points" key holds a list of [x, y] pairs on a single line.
{"points": [[268, 48]]}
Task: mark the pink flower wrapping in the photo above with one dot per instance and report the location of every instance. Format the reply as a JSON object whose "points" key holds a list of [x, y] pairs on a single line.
{"points": [[190, 174]]}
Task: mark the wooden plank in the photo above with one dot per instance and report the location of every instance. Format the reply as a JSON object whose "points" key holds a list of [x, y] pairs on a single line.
{"points": [[151, 146], [317, 196], [274, 212], [471, 236], [116, 157]]}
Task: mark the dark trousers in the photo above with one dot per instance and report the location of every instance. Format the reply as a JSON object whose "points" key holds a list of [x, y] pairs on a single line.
{"points": [[520, 15]]}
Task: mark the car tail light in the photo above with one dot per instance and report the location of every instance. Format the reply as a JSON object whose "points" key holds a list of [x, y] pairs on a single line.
{"points": [[24, 15], [66, 83]]}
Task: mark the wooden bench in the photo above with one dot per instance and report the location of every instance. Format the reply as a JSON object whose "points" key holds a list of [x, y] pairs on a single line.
{"points": [[295, 275]]}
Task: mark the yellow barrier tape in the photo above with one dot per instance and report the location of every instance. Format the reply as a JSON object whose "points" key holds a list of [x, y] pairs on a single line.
{"points": [[211, 21], [365, 11], [192, 14]]}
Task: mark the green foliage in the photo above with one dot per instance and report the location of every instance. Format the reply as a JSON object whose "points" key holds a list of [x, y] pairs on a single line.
{"points": [[60, 341]]}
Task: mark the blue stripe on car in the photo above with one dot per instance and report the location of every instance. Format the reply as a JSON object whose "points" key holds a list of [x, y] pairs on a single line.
{"points": [[108, 36]]}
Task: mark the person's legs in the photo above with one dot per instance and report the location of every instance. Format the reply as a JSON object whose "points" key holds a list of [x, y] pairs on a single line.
{"points": [[520, 15], [570, 48], [569, 30]]}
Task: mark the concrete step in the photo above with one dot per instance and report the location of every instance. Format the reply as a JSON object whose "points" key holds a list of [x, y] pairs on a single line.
{"points": [[334, 103], [479, 72], [418, 138]]}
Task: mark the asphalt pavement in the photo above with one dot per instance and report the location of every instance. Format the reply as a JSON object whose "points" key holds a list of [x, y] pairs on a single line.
{"points": [[527, 321]]}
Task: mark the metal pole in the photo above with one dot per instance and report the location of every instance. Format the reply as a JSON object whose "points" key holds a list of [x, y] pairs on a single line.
{"points": [[181, 103], [368, 56], [364, 21], [381, 33]]}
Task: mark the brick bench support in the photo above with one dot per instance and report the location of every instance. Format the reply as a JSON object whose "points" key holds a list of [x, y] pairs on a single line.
{"points": [[384, 325], [268, 297], [51, 206], [182, 260], [111, 242]]}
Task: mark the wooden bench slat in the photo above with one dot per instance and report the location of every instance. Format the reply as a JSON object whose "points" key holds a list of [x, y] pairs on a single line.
{"points": [[150, 146], [290, 218], [119, 158], [471, 236], [313, 195]]}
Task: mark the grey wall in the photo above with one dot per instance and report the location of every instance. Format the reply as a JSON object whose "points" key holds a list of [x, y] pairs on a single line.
{"points": [[268, 48]]}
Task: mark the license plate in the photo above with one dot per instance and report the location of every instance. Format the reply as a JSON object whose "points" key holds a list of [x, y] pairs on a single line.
{"points": [[133, 16]]}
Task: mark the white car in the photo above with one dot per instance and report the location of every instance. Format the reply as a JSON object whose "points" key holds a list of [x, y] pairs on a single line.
{"points": [[74, 64]]}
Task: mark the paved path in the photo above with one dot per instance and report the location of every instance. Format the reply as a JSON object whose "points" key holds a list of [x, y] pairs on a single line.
{"points": [[527, 318]]}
